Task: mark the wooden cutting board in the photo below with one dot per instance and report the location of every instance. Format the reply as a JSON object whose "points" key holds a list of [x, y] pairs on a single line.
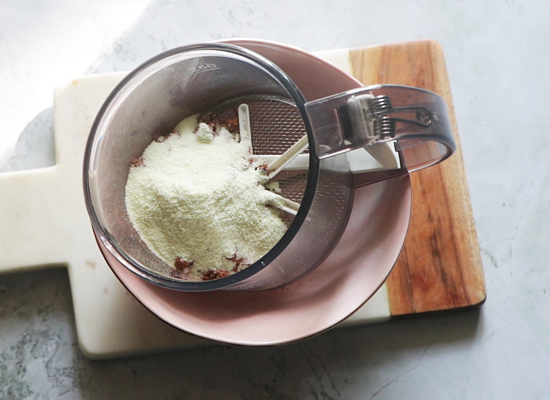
{"points": [[43, 220], [440, 265]]}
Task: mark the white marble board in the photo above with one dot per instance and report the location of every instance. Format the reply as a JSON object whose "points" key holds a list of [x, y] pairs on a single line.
{"points": [[44, 223]]}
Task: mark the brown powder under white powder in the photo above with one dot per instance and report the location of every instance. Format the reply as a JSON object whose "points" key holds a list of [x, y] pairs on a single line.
{"points": [[197, 201]]}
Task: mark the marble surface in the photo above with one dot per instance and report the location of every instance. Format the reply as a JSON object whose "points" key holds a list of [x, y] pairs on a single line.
{"points": [[497, 54]]}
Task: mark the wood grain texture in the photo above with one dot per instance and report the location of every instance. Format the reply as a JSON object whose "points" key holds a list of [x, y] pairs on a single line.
{"points": [[440, 265]]}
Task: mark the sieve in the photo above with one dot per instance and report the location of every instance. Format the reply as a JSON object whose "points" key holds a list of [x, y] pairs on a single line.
{"points": [[219, 77]]}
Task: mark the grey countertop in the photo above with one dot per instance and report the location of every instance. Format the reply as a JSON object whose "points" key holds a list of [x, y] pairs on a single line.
{"points": [[497, 55]]}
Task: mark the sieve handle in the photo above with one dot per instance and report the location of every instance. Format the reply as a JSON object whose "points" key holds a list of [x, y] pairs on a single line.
{"points": [[415, 119]]}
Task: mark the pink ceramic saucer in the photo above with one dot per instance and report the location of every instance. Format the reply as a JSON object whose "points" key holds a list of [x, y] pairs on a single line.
{"points": [[332, 292]]}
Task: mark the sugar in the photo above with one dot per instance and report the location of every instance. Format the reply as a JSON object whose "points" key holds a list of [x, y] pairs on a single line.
{"points": [[197, 196]]}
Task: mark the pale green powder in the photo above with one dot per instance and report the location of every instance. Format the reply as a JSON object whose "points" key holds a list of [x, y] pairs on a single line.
{"points": [[198, 197]]}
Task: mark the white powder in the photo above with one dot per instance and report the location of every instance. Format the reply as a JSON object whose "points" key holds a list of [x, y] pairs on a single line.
{"points": [[197, 197]]}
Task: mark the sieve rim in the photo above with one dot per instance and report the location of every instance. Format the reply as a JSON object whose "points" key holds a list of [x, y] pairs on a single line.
{"points": [[97, 132]]}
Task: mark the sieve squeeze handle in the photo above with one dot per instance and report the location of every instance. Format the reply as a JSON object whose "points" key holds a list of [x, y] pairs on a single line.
{"points": [[416, 120]]}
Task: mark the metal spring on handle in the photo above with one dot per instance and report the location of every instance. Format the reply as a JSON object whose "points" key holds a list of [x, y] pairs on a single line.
{"points": [[383, 126], [380, 104]]}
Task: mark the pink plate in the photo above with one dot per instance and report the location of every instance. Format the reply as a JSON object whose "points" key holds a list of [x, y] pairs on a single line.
{"points": [[357, 267]]}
